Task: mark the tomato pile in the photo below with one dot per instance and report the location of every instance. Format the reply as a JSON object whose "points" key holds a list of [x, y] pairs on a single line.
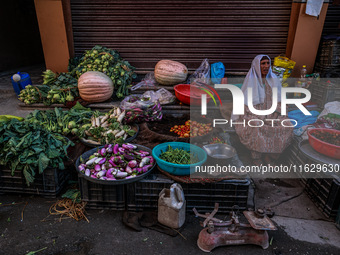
{"points": [[191, 129]]}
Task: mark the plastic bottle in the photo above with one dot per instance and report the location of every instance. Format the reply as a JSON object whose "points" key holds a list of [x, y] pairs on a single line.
{"points": [[303, 73]]}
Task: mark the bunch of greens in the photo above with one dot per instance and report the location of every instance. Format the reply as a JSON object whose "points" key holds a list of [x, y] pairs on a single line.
{"points": [[178, 156], [59, 121], [33, 94], [109, 62], [57, 88], [30, 148]]}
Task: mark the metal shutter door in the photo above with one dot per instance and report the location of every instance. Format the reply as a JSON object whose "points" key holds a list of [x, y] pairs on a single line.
{"points": [[146, 31]]}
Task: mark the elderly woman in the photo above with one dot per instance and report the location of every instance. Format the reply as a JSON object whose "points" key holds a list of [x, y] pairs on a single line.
{"points": [[266, 142]]}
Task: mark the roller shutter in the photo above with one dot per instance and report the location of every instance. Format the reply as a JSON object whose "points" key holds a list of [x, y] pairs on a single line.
{"points": [[146, 31]]}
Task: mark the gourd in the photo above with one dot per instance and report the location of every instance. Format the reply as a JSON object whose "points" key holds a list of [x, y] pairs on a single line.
{"points": [[168, 72], [95, 86]]}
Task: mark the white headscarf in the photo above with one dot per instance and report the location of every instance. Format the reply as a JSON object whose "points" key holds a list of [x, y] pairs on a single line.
{"points": [[254, 80]]}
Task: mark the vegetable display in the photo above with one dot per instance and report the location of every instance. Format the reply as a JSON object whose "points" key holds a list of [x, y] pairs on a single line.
{"points": [[59, 121], [30, 148], [57, 88], [110, 63], [107, 128], [191, 129], [114, 162], [178, 156], [62, 87], [332, 138]]}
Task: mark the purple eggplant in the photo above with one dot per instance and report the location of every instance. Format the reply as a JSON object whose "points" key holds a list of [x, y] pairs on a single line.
{"points": [[98, 160], [139, 170], [91, 161], [102, 161], [101, 173], [81, 168], [87, 172], [115, 148], [103, 167], [109, 173], [132, 163], [151, 159], [112, 163], [121, 174], [103, 178], [128, 146], [111, 179], [109, 149], [93, 176], [128, 170], [102, 152], [144, 152], [146, 168], [144, 161], [97, 168], [121, 150], [128, 157]]}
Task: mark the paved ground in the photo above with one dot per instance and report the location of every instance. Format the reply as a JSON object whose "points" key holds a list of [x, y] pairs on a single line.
{"points": [[302, 228]]}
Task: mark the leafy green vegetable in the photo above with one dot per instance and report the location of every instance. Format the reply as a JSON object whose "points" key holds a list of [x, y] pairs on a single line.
{"points": [[29, 147], [178, 156], [58, 121]]}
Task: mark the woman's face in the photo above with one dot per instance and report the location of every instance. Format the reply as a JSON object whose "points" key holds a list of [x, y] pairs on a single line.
{"points": [[264, 67]]}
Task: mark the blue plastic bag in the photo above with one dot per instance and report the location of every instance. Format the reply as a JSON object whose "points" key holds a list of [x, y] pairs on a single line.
{"points": [[217, 72]]}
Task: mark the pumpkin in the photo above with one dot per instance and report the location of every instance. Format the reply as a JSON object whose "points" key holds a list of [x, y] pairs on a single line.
{"points": [[168, 72], [95, 86]]}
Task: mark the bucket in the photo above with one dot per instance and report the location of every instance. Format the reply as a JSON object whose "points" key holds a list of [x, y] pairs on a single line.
{"points": [[171, 206], [20, 83]]}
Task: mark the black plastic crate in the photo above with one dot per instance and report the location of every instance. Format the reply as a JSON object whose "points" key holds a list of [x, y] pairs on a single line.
{"points": [[100, 196], [143, 195], [323, 92], [325, 193], [48, 184]]}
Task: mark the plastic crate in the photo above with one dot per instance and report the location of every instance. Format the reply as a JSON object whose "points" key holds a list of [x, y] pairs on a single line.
{"points": [[100, 196], [143, 195], [325, 193], [329, 54], [323, 92], [48, 184]]}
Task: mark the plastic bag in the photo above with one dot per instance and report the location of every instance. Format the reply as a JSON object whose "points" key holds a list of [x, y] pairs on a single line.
{"points": [[148, 81], [140, 108], [217, 72], [202, 73], [162, 95]]}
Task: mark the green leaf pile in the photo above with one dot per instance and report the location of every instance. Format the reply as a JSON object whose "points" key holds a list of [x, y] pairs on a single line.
{"points": [[30, 148]]}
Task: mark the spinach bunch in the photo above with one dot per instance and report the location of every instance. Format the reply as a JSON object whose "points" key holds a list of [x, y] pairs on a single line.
{"points": [[30, 148]]}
